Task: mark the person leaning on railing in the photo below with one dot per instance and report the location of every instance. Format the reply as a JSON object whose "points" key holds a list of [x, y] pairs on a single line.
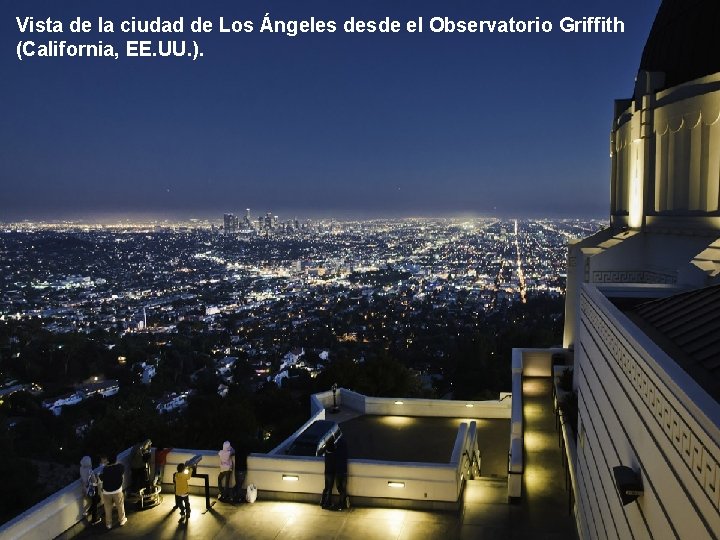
{"points": [[90, 488], [227, 455]]}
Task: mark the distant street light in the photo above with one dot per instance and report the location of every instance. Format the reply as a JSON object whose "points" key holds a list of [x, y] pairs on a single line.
{"points": [[335, 408]]}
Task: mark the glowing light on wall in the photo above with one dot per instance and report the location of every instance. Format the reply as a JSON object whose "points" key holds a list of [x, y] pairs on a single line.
{"points": [[395, 484], [635, 206], [398, 421], [290, 477], [478, 421], [398, 403]]}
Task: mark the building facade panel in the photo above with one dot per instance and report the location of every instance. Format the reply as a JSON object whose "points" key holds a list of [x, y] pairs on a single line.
{"points": [[653, 436], [598, 447], [670, 411], [612, 430]]}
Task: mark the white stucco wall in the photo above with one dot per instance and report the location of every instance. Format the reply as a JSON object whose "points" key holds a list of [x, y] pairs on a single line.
{"points": [[370, 478]]}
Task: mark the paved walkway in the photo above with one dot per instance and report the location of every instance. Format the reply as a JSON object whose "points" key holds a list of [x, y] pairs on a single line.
{"points": [[541, 515], [544, 504]]}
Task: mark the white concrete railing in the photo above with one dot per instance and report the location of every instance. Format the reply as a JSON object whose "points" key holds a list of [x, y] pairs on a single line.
{"points": [[515, 453], [438, 408], [293, 474], [369, 478], [380, 406], [352, 400], [346, 398], [569, 442], [466, 452], [318, 414], [50, 517], [210, 465]]}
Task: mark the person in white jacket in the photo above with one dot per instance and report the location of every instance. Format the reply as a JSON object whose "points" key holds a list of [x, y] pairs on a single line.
{"points": [[227, 464], [90, 488]]}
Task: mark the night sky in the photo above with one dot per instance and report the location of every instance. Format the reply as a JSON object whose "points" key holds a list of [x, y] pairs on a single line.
{"points": [[335, 125]]}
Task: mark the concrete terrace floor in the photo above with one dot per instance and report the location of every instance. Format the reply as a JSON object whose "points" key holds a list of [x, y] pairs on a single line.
{"points": [[542, 514]]}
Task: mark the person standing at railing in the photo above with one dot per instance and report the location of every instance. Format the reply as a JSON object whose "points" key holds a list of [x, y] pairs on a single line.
{"points": [[341, 473], [112, 478], [330, 467], [137, 469], [161, 454], [89, 482], [240, 473], [227, 465]]}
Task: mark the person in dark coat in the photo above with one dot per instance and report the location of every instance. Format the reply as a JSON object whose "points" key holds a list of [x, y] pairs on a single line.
{"points": [[326, 500], [240, 473], [341, 473], [112, 478]]}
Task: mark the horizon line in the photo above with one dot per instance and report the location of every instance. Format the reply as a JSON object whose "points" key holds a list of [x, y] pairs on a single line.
{"points": [[109, 220]]}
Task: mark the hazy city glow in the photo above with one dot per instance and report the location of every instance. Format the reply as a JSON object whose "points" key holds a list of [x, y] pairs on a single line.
{"points": [[358, 282]]}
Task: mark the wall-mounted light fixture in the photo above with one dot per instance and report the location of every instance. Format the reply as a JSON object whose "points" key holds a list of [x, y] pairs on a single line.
{"points": [[290, 477], [398, 403], [469, 405], [628, 484], [395, 484]]}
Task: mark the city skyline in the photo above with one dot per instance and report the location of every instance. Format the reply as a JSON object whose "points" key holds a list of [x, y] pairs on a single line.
{"points": [[327, 124], [210, 219]]}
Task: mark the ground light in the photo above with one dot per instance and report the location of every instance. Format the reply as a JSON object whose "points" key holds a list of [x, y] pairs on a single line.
{"points": [[398, 421]]}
